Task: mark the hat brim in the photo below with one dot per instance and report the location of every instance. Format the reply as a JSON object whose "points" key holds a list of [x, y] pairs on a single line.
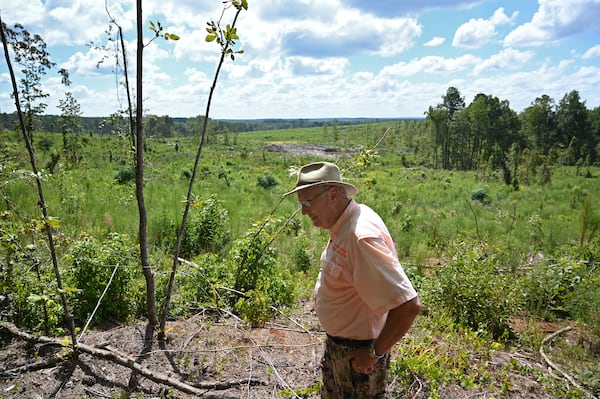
{"points": [[350, 189]]}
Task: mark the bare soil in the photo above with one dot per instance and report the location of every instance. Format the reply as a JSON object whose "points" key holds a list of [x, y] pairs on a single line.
{"points": [[228, 359]]}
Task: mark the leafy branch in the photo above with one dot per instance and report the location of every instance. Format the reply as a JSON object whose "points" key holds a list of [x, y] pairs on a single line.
{"points": [[157, 28], [225, 38]]}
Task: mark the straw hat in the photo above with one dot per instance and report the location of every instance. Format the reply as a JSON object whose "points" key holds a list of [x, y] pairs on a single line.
{"points": [[321, 173]]}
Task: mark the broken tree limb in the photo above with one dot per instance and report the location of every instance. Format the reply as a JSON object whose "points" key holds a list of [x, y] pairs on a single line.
{"points": [[554, 366], [39, 365], [112, 355]]}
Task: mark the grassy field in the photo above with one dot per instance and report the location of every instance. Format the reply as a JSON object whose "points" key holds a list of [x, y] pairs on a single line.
{"points": [[468, 240]]}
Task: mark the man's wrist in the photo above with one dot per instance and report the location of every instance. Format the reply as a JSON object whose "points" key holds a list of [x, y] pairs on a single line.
{"points": [[373, 352]]}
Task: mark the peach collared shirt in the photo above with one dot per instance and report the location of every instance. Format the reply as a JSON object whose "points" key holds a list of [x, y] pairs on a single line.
{"points": [[360, 279]]}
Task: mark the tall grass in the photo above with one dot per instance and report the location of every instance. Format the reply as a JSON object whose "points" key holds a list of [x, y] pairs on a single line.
{"points": [[426, 209]]}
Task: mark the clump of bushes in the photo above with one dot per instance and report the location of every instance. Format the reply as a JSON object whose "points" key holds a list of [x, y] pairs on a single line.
{"points": [[125, 175], [264, 283], [92, 267], [207, 229], [266, 180], [481, 195], [474, 289], [248, 280]]}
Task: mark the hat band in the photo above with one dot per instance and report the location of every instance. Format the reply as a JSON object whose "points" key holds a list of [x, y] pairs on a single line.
{"points": [[306, 183]]}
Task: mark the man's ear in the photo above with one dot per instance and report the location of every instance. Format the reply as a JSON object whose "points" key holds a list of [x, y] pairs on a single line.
{"points": [[334, 193]]}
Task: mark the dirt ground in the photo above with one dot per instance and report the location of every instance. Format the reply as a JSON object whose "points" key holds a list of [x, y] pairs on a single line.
{"points": [[223, 356]]}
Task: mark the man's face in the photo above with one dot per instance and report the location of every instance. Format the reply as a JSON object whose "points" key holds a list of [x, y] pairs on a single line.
{"points": [[316, 204]]}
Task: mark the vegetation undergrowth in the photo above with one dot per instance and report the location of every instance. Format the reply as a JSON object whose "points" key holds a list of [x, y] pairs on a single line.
{"points": [[481, 253]]}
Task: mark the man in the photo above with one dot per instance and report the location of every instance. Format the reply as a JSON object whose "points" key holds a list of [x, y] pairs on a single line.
{"points": [[363, 298]]}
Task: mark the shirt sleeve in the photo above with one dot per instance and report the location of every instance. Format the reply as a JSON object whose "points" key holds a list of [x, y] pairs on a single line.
{"points": [[378, 276]]}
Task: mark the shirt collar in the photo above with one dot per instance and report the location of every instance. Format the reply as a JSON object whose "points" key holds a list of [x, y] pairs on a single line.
{"points": [[339, 224]]}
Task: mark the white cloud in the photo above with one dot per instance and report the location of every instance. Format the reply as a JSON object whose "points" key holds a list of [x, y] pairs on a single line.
{"points": [[315, 58], [554, 21], [507, 59], [436, 41], [592, 52], [92, 63], [432, 65], [478, 31]]}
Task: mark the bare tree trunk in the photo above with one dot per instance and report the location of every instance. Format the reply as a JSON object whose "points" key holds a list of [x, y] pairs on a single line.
{"points": [[139, 190]]}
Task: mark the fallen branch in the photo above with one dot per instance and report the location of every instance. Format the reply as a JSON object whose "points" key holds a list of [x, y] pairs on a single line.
{"points": [[552, 365], [39, 365], [112, 355]]}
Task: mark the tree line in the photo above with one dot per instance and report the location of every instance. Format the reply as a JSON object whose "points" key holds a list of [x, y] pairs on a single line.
{"points": [[487, 132], [168, 126]]}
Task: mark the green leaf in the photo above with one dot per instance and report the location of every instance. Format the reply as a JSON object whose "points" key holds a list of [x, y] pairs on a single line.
{"points": [[53, 222], [210, 38], [171, 36], [71, 290]]}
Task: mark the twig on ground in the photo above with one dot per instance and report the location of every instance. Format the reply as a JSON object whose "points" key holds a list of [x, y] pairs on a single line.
{"points": [[276, 372], [290, 319], [126, 361], [552, 365], [39, 365]]}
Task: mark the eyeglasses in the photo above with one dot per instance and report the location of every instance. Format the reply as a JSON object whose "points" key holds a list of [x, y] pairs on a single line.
{"points": [[308, 203]]}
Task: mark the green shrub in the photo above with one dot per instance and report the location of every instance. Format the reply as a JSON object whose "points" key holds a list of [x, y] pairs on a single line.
{"points": [[197, 284], [266, 180], [92, 264], [33, 303], [475, 290], [549, 287], [28, 290], [301, 254], [255, 308], [207, 228], [584, 303], [481, 195], [125, 175], [257, 276]]}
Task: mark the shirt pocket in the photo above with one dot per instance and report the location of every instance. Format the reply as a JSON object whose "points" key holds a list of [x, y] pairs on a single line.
{"points": [[332, 270]]}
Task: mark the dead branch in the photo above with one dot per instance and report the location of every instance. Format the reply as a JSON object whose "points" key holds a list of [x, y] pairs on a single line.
{"points": [[552, 365], [39, 365], [111, 354]]}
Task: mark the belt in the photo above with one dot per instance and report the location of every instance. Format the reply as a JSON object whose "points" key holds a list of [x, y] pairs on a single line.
{"points": [[353, 343]]}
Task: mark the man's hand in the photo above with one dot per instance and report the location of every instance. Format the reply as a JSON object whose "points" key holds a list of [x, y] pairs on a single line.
{"points": [[361, 361]]}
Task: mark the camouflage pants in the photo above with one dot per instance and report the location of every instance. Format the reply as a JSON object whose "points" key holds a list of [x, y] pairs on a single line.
{"points": [[341, 381]]}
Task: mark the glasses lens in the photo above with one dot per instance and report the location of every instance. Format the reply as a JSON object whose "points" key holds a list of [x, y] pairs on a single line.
{"points": [[308, 203]]}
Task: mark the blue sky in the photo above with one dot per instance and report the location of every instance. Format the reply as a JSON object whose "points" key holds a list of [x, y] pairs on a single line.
{"points": [[316, 58]]}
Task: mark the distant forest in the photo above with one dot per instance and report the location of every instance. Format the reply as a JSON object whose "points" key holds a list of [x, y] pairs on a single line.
{"points": [[166, 126], [486, 133]]}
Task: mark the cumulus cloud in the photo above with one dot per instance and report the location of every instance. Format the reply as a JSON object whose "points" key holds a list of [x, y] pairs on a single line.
{"points": [[478, 31], [592, 52], [432, 65], [350, 33], [94, 62], [309, 66], [507, 59], [554, 21], [436, 41]]}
